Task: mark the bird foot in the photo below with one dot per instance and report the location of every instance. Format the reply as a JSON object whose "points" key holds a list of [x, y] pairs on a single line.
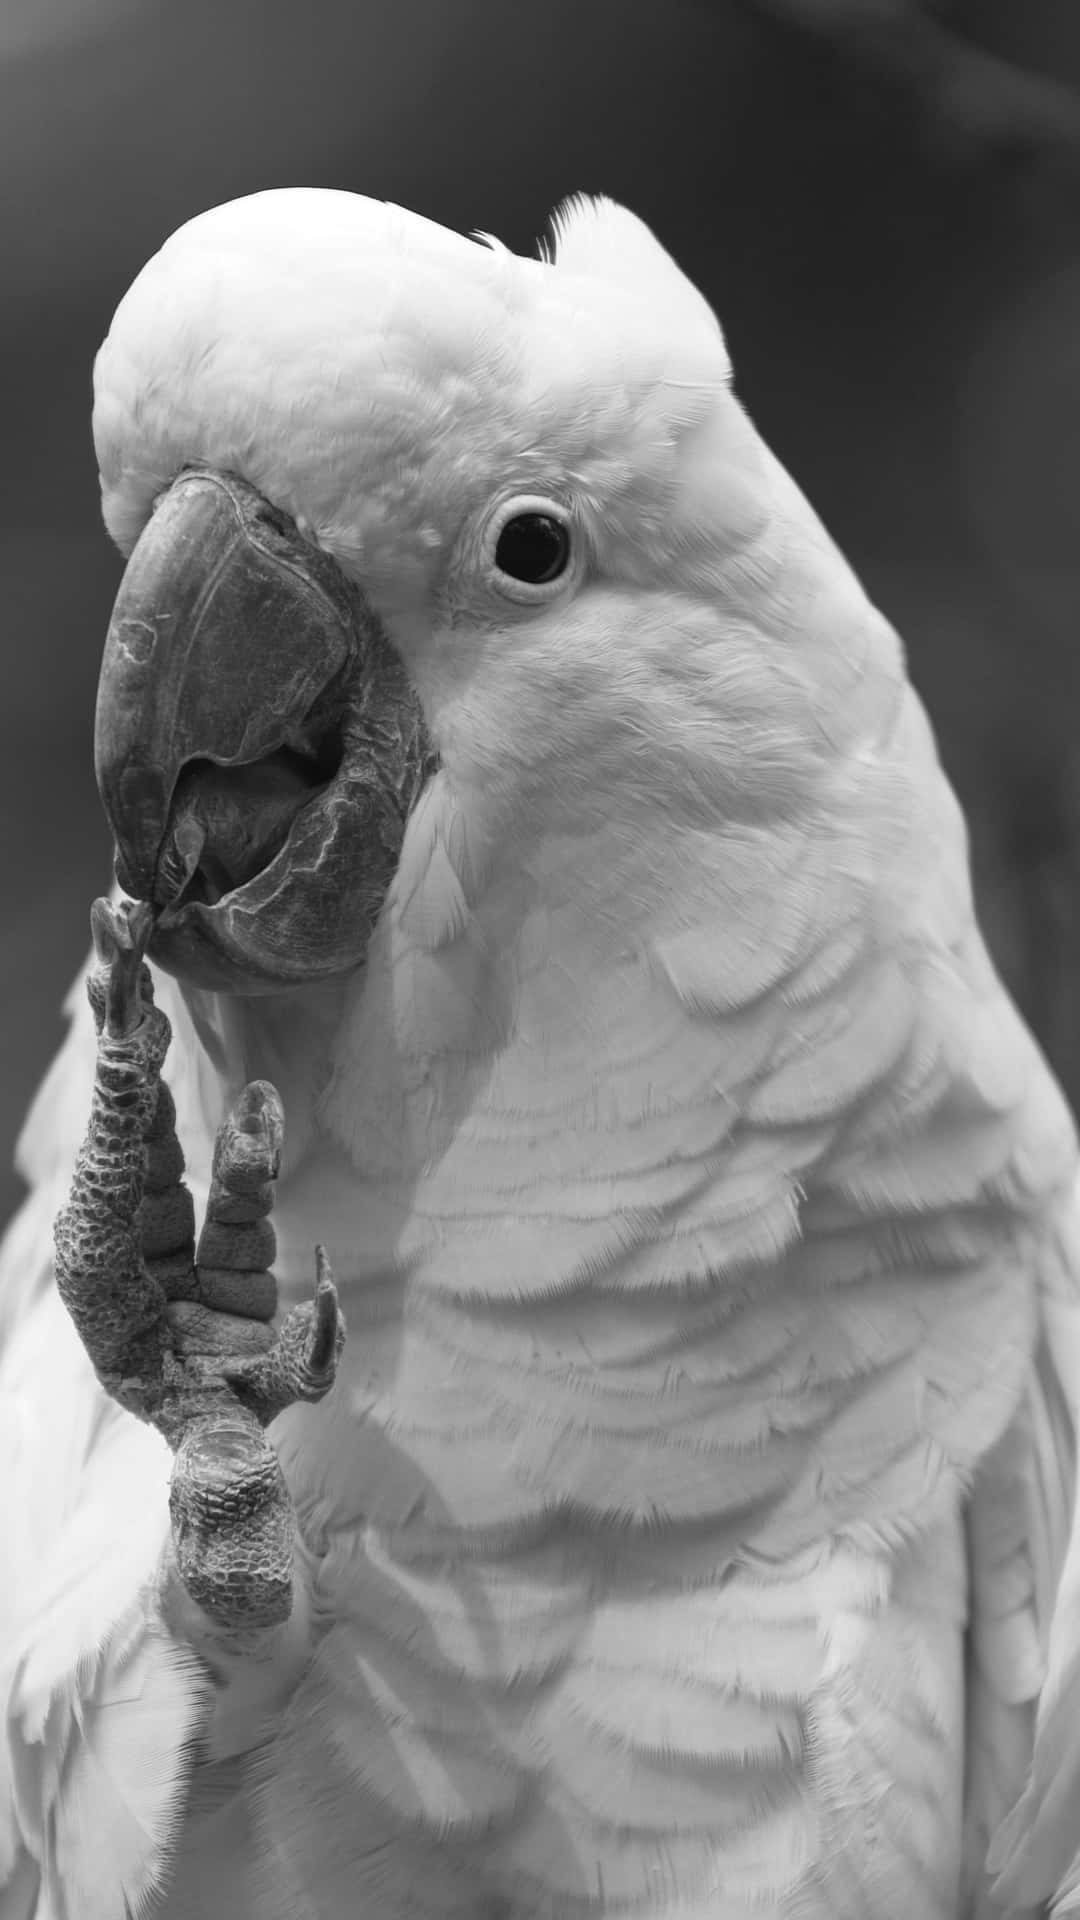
{"points": [[183, 1338]]}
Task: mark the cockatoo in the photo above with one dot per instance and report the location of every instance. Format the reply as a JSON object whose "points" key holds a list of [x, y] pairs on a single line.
{"points": [[513, 786]]}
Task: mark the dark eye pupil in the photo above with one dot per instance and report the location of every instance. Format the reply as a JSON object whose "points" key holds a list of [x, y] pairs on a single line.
{"points": [[533, 547]]}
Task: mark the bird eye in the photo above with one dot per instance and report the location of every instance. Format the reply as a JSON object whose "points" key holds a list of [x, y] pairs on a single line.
{"points": [[533, 548]]}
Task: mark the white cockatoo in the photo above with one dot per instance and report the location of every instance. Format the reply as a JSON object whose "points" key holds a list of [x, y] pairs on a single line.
{"points": [[505, 765]]}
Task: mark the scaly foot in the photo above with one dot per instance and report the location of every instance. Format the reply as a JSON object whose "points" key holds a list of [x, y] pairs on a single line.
{"points": [[181, 1340]]}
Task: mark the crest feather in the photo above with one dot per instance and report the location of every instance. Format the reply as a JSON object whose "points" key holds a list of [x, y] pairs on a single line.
{"points": [[597, 238]]}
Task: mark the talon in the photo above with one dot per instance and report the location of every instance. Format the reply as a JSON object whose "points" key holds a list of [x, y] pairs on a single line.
{"points": [[302, 1364], [121, 935], [104, 931], [326, 1341]]}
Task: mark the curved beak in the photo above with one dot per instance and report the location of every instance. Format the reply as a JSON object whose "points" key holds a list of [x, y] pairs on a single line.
{"points": [[258, 745], [227, 628]]}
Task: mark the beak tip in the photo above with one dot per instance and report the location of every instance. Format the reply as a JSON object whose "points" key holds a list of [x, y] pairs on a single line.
{"points": [[136, 806]]}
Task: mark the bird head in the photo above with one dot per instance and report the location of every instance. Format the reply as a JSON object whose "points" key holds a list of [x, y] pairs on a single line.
{"points": [[401, 507]]}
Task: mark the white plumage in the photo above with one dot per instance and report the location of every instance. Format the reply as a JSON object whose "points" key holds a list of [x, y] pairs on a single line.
{"points": [[689, 1531]]}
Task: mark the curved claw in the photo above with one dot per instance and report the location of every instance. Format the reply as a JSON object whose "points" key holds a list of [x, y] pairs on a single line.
{"points": [[328, 1330], [121, 935], [303, 1361]]}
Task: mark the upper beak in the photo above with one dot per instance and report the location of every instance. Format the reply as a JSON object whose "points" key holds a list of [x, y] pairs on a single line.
{"points": [[227, 628]]}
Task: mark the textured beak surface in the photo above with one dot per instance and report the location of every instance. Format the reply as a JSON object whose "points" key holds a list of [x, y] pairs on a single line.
{"points": [[257, 744]]}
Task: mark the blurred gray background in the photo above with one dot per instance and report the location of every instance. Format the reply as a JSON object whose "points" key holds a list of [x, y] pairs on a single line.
{"points": [[879, 197]]}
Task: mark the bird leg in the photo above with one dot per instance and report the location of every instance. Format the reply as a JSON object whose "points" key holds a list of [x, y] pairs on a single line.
{"points": [[181, 1339]]}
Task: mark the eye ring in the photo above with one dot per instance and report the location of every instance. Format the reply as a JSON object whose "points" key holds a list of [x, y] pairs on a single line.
{"points": [[530, 549]]}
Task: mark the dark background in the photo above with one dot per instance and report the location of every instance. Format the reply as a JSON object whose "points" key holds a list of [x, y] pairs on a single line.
{"points": [[880, 199]]}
